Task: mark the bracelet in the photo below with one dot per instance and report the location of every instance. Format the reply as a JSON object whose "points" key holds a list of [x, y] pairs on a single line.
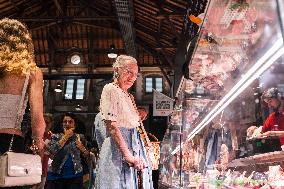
{"points": [[64, 139], [86, 151]]}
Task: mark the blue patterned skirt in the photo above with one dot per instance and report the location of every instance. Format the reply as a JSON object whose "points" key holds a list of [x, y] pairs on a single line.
{"points": [[112, 170]]}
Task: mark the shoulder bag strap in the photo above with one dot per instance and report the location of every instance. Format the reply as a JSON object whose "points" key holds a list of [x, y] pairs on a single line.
{"points": [[141, 129], [20, 107], [23, 95]]}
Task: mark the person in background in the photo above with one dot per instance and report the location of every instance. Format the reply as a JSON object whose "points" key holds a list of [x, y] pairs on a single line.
{"points": [[48, 118], [67, 150], [20, 82], [142, 113], [274, 124], [100, 130], [122, 160]]}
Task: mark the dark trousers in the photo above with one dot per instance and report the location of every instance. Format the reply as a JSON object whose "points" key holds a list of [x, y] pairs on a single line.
{"points": [[71, 183], [17, 146]]}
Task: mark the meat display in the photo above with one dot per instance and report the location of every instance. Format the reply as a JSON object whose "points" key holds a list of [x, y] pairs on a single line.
{"points": [[232, 27], [234, 35]]}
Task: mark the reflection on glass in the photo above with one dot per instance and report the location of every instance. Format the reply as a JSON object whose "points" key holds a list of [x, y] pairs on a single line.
{"points": [[239, 55]]}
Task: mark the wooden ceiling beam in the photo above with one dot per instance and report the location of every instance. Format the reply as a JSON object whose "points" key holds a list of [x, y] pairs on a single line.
{"points": [[40, 26], [52, 45], [58, 6], [146, 30], [64, 76], [161, 4], [156, 35], [87, 50], [96, 26], [66, 18], [101, 38], [170, 15], [154, 53], [91, 7], [14, 5]]}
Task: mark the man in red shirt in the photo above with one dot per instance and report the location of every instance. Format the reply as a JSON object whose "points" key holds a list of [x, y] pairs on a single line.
{"points": [[274, 124]]}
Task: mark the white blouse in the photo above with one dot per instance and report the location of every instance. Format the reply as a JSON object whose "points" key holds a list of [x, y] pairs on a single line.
{"points": [[116, 105]]}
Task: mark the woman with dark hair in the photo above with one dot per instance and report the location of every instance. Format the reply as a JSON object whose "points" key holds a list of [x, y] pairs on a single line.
{"points": [[66, 149]]}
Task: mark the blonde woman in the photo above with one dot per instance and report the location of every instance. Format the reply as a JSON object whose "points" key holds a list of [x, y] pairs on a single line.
{"points": [[20, 81]]}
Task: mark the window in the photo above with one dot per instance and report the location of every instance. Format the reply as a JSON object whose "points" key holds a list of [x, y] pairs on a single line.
{"points": [[75, 89], [153, 83]]}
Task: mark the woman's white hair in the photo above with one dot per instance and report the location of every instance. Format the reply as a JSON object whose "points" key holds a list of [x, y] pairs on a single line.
{"points": [[123, 60]]}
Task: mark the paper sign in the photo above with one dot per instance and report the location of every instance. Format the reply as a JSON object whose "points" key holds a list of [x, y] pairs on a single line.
{"points": [[162, 104]]}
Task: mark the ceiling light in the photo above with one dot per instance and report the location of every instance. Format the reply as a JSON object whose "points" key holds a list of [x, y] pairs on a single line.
{"points": [[112, 52], [78, 107], [58, 88]]}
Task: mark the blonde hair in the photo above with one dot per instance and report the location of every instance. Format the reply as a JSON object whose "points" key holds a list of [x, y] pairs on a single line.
{"points": [[16, 48]]}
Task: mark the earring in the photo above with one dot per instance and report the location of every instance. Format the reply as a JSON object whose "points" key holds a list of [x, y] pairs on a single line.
{"points": [[115, 75]]}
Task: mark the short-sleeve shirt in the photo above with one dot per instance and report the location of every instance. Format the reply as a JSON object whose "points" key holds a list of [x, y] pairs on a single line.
{"points": [[117, 105], [273, 120]]}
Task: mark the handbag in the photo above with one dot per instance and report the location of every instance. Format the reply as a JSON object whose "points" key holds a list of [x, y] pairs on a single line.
{"points": [[19, 169], [152, 148], [155, 159]]}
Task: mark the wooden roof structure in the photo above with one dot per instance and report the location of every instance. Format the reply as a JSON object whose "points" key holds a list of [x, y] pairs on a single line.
{"points": [[148, 30]]}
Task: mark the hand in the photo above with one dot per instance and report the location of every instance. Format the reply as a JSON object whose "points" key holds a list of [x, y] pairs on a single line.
{"points": [[79, 144], [68, 133], [269, 134], [139, 163], [37, 146], [251, 130]]}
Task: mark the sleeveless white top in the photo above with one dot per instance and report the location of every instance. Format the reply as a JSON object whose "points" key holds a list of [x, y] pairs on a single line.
{"points": [[116, 105], [12, 108]]}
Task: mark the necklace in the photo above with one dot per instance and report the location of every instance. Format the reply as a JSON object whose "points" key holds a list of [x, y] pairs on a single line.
{"points": [[125, 92], [140, 128], [131, 99]]}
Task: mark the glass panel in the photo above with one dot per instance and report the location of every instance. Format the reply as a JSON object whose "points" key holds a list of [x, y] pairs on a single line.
{"points": [[69, 89], [238, 57], [80, 89], [149, 84], [159, 84]]}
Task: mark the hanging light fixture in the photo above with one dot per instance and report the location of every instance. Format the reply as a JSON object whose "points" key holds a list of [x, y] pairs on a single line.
{"points": [[58, 88], [112, 53], [78, 107]]}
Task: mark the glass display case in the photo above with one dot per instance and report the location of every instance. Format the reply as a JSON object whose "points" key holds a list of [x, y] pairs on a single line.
{"points": [[239, 54]]}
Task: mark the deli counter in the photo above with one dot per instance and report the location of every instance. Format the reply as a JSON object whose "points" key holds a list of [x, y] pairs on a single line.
{"points": [[238, 56]]}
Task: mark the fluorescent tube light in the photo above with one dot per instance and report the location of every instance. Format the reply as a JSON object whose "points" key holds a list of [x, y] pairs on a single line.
{"points": [[257, 69]]}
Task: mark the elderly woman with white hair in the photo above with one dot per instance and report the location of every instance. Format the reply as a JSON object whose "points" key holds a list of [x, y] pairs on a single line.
{"points": [[122, 161]]}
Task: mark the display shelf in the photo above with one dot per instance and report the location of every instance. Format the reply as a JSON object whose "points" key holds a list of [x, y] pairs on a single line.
{"points": [[266, 158], [235, 59]]}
